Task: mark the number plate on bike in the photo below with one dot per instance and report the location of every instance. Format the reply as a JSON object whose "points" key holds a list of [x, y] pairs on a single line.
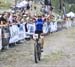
{"points": [[35, 36]]}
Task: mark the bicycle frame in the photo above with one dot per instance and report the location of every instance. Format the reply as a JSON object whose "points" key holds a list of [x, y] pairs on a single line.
{"points": [[37, 50], [38, 38]]}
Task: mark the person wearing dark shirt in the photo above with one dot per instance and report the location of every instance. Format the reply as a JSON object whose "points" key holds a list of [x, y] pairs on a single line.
{"points": [[3, 19], [4, 31]]}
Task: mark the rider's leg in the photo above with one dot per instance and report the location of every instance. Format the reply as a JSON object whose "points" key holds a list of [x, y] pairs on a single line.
{"points": [[42, 42]]}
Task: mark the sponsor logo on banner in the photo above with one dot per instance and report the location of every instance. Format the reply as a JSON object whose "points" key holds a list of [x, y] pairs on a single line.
{"points": [[31, 28], [45, 28], [21, 32], [13, 34]]}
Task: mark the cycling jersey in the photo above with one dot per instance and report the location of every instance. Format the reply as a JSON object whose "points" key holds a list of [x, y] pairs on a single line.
{"points": [[39, 25]]}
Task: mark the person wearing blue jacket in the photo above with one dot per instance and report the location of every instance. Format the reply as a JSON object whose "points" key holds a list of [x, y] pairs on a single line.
{"points": [[39, 29]]}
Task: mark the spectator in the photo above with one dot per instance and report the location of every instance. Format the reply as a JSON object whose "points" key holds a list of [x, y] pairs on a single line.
{"points": [[3, 19]]}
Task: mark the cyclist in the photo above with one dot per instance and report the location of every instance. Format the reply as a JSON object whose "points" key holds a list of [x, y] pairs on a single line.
{"points": [[39, 29]]}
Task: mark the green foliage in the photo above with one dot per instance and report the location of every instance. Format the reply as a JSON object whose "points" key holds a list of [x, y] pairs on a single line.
{"points": [[69, 4], [55, 4], [72, 8]]}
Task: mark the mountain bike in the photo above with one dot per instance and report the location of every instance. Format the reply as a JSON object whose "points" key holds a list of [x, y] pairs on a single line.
{"points": [[37, 49]]}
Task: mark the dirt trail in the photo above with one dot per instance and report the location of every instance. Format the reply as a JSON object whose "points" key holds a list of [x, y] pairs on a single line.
{"points": [[59, 51]]}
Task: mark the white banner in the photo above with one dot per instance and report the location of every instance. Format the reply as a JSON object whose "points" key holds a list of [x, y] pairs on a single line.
{"points": [[53, 26], [31, 28], [0, 39], [45, 28], [13, 33], [21, 32]]}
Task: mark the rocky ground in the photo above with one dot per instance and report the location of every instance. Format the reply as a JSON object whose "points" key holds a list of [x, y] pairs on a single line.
{"points": [[59, 51]]}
